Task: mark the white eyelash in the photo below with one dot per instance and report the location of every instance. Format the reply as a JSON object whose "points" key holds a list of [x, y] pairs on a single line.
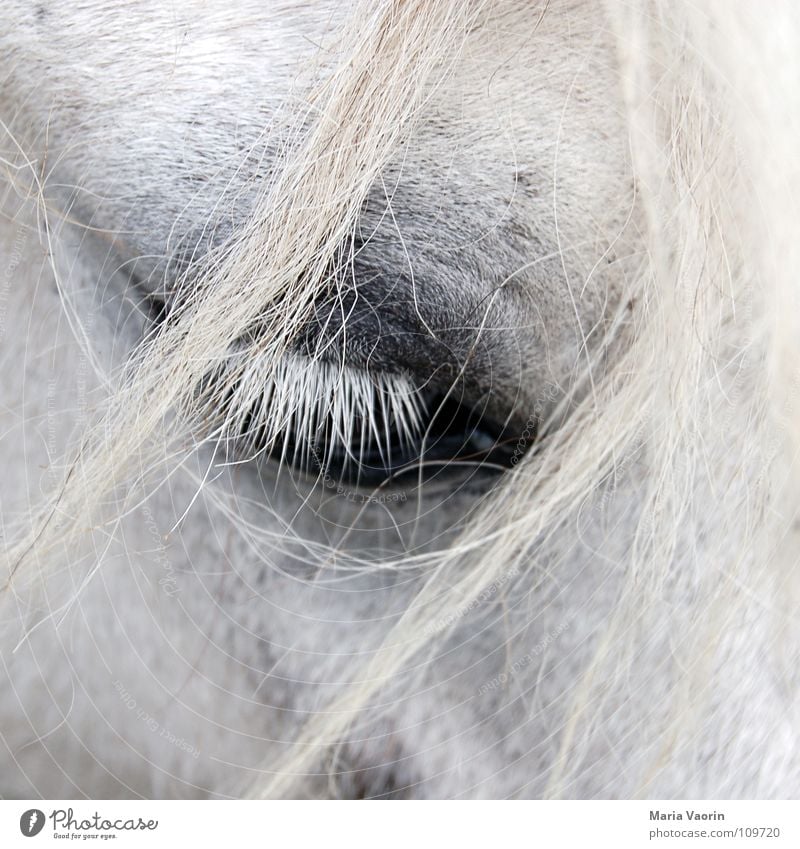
{"points": [[324, 409]]}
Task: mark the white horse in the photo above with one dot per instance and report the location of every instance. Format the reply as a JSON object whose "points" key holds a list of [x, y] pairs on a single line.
{"points": [[399, 398]]}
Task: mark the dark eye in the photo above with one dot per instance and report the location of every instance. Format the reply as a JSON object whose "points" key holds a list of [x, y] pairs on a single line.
{"points": [[359, 428], [450, 436]]}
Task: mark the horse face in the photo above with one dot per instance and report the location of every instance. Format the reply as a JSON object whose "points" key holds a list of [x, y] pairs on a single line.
{"points": [[489, 257]]}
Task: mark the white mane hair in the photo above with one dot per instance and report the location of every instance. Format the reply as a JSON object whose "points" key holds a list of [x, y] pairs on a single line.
{"points": [[673, 457]]}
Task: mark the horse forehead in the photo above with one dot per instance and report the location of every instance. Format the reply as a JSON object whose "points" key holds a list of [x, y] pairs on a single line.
{"points": [[259, 48]]}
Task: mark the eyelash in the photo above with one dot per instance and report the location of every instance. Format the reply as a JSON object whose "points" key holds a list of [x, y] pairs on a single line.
{"points": [[360, 427], [314, 414]]}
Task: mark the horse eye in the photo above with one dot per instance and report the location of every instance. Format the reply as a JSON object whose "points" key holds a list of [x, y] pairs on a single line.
{"points": [[362, 429], [450, 436]]}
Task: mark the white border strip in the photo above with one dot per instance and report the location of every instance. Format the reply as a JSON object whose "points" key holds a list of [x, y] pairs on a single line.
{"points": [[386, 824]]}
